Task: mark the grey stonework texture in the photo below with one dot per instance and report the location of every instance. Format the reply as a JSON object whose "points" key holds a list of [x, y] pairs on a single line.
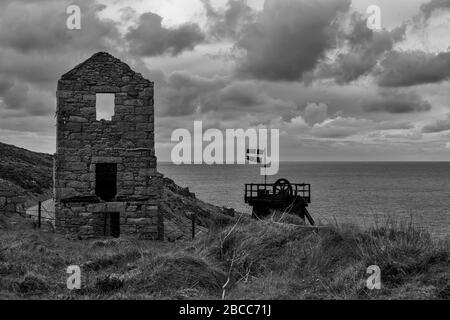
{"points": [[12, 200], [127, 141]]}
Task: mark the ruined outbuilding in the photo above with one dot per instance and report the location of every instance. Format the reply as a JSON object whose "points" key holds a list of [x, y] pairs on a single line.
{"points": [[106, 180]]}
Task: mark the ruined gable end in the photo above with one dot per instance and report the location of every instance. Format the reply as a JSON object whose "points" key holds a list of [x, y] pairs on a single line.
{"points": [[106, 182]]}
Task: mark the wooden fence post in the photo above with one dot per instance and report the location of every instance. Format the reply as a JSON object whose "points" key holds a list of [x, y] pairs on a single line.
{"points": [[194, 222], [39, 214]]}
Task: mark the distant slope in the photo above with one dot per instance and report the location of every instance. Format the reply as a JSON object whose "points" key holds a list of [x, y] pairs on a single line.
{"points": [[28, 170], [178, 205]]}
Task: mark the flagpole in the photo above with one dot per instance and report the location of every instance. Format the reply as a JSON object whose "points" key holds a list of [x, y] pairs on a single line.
{"points": [[265, 174], [265, 168], [258, 159]]}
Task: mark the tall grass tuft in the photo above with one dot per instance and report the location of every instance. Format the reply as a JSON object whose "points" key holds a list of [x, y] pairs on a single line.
{"points": [[246, 259]]}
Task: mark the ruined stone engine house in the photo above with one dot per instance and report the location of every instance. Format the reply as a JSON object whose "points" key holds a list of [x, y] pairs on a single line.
{"points": [[106, 181]]}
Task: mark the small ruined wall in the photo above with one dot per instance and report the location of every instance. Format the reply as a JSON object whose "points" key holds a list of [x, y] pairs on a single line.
{"points": [[11, 204], [11, 199]]}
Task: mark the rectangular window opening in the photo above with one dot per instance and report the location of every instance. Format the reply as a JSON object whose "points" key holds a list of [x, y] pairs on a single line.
{"points": [[106, 181], [104, 105]]}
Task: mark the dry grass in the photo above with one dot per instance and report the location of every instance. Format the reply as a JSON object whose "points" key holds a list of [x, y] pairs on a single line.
{"points": [[246, 260]]}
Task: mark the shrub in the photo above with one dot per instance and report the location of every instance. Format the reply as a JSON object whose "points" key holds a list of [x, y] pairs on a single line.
{"points": [[401, 251], [32, 284], [109, 284], [114, 259], [172, 272], [250, 249]]}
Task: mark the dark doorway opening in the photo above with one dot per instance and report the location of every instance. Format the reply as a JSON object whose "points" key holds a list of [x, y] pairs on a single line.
{"points": [[108, 224], [106, 181]]}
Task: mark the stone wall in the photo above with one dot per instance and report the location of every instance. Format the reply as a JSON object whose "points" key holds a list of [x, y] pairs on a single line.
{"points": [[127, 141], [12, 200], [136, 218], [11, 203]]}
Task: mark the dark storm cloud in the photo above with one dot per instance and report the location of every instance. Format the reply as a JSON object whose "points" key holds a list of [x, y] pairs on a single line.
{"points": [[39, 70], [20, 101], [25, 32], [288, 38], [36, 47], [427, 9], [438, 126], [41, 26], [242, 94], [409, 68], [315, 113], [184, 94], [250, 97], [402, 69], [396, 103], [150, 38], [5, 85], [15, 97], [228, 23], [365, 47]]}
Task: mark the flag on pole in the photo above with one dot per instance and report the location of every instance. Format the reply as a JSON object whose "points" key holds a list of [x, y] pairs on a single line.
{"points": [[258, 156], [255, 156]]}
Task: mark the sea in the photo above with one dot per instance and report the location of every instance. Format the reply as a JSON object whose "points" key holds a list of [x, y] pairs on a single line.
{"points": [[361, 193]]}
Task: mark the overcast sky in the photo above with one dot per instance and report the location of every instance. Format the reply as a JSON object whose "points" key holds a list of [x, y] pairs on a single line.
{"points": [[311, 68]]}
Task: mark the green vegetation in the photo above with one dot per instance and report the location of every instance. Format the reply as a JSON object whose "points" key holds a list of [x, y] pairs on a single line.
{"points": [[244, 260]]}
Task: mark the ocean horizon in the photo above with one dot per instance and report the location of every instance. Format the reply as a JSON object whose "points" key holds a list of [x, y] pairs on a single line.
{"points": [[357, 192]]}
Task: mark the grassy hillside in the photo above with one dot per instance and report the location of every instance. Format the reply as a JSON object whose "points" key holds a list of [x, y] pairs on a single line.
{"points": [[235, 259], [247, 260], [30, 172]]}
